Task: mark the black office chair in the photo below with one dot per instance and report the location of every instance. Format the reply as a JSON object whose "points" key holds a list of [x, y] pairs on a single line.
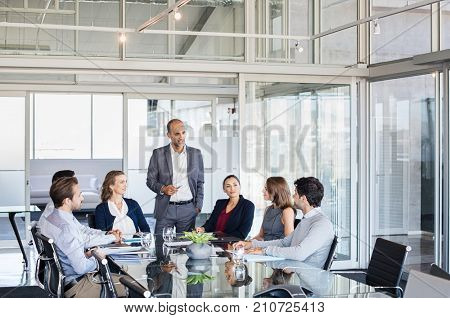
{"points": [[108, 290], [439, 272], [40, 266], [135, 290], [332, 254], [385, 267], [281, 291], [91, 220], [53, 274], [37, 243]]}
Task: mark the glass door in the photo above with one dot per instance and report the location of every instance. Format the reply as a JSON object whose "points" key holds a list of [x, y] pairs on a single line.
{"points": [[403, 157], [294, 128]]}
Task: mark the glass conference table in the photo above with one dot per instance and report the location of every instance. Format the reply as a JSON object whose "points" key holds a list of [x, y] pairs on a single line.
{"points": [[168, 272], [12, 211]]}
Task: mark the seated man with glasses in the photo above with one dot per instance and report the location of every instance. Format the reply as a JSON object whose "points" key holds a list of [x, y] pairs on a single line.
{"points": [[312, 238]]}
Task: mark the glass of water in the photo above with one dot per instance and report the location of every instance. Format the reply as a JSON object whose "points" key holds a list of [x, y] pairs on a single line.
{"points": [[239, 272], [146, 241], [169, 233], [238, 254]]}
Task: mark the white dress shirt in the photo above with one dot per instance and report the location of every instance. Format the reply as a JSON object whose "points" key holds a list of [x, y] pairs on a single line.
{"points": [[122, 221], [180, 177]]}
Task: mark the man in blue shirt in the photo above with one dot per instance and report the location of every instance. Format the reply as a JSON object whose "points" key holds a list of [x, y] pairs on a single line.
{"points": [[72, 239]]}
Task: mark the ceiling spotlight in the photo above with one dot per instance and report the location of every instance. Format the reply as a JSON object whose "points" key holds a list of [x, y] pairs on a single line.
{"points": [[376, 27], [298, 47], [177, 14], [122, 38]]}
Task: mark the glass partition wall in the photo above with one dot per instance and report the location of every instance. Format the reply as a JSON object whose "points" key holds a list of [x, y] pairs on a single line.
{"points": [[12, 160], [297, 130], [403, 121]]}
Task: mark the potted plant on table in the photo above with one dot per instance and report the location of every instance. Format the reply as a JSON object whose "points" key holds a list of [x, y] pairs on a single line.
{"points": [[199, 249]]}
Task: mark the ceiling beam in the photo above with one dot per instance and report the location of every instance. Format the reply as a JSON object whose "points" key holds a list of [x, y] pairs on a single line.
{"points": [[100, 64]]}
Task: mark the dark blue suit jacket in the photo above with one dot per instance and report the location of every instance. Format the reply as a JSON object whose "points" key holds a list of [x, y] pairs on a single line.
{"points": [[240, 221], [104, 220]]}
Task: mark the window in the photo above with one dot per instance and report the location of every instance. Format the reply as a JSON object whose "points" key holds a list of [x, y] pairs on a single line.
{"points": [[445, 25], [403, 121], [296, 130], [12, 133], [107, 127], [77, 126], [338, 48], [402, 35], [62, 126]]}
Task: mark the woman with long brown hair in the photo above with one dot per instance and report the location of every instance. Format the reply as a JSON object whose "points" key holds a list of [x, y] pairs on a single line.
{"points": [[279, 217], [117, 212]]}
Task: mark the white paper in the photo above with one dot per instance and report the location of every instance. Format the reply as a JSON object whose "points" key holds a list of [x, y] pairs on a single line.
{"points": [[178, 243], [120, 250]]}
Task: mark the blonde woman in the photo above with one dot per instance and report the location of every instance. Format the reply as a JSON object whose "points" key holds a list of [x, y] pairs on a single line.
{"points": [[279, 217], [117, 212]]}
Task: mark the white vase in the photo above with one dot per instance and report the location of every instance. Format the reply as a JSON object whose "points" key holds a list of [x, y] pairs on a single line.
{"points": [[199, 251]]}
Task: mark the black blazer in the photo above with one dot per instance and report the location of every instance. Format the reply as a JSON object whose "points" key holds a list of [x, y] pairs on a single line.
{"points": [[104, 219], [240, 221]]}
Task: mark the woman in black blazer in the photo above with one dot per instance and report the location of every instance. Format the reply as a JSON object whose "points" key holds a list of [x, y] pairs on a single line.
{"points": [[232, 216], [117, 212]]}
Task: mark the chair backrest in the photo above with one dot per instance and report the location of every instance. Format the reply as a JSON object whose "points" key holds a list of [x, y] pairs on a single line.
{"points": [[40, 265], [134, 288], [439, 272], [108, 290], [91, 220], [331, 254], [37, 243], [53, 274], [386, 263], [281, 291]]}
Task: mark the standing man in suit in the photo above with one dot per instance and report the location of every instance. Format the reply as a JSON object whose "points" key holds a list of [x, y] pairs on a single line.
{"points": [[175, 174]]}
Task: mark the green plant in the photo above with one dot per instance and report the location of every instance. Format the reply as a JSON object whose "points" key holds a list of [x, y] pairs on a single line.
{"points": [[198, 238], [198, 279]]}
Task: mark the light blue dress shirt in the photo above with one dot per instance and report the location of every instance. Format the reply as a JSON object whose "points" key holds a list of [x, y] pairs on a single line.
{"points": [[310, 242], [71, 239]]}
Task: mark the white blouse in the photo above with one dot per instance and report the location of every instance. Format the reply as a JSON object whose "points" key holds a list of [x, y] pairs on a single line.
{"points": [[122, 221]]}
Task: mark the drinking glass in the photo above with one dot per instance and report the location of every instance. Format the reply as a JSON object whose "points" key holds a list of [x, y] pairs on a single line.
{"points": [[238, 254], [146, 241], [169, 233], [239, 272]]}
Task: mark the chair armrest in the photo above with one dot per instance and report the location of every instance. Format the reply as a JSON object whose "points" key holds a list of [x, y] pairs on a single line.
{"points": [[169, 295], [391, 287], [386, 287]]}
